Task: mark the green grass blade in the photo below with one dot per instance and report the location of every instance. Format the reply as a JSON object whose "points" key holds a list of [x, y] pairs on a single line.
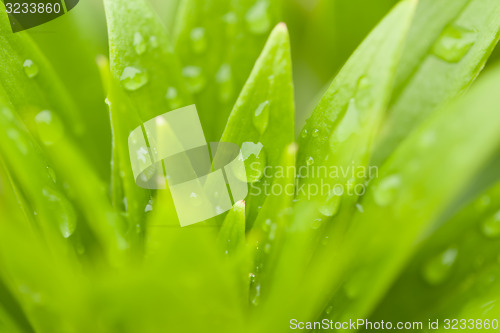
{"points": [[263, 117], [218, 42], [448, 46], [340, 132], [142, 60], [410, 194]]}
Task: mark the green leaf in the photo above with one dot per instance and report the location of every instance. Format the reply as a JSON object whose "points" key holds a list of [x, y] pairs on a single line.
{"points": [[145, 82], [231, 236], [335, 144], [455, 265], [265, 237], [263, 117], [415, 187], [447, 48], [218, 42]]}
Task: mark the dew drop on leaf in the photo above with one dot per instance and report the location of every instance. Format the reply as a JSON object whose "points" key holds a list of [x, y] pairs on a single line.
{"points": [[310, 160], [18, 139], [257, 18], [331, 205], [438, 268], [139, 43], [62, 209], [386, 190], [348, 126], [317, 223], [195, 79], [30, 68], [491, 226], [224, 79], [303, 134], [261, 117], [49, 127], [149, 206], [133, 78], [198, 40], [454, 43]]}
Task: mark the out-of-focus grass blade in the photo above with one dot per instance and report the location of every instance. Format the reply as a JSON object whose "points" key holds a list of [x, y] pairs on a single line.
{"points": [[448, 46], [339, 134], [415, 186], [218, 42], [29, 80], [71, 44], [12, 317], [451, 266], [263, 117], [54, 214]]}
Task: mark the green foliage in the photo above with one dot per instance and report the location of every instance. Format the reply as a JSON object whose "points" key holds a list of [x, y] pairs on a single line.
{"points": [[83, 248]]}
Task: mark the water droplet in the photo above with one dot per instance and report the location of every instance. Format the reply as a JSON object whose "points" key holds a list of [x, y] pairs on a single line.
{"points": [[317, 223], [491, 226], [360, 208], [454, 43], [195, 79], [133, 78], [256, 295], [139, 43], [30, 68], [364, 99], [49, 127], [386, 190], [173, 98], [437, 269], [332, 204], [153, 41], [224, 79], [304, 134], [62, 210], [149, 206], [348, 126], [52, 174], [267, 248], [310, 160], [257, 18], [329, 309], [315, 133], [198, 40], [255, 161], [18, 139], [261, 117]]}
